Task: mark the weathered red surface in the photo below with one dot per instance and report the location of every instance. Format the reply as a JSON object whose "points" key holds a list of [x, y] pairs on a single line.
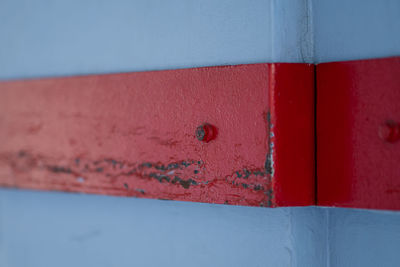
{"points": [[358, 159], [134, 134]]}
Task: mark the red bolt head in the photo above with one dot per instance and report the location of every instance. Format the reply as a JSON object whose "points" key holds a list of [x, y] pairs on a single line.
{"points": [[389, 131], [206, 132]]}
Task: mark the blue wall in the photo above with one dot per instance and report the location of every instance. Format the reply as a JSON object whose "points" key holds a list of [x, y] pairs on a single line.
{"points": [[58, 229], [355, 29], [363, 238], [72, 37], [42, 38]]}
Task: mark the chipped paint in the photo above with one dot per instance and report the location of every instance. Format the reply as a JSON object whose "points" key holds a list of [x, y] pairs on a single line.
{"points": [[183, 173], [142, 141], [269, 163]]}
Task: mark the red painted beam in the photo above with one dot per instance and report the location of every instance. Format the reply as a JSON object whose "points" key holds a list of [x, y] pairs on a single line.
{"points": [[238, 135], [358, 151]]}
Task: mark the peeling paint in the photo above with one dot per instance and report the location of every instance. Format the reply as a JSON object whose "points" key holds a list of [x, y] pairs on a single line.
{"points": [[144, 138], [269, 163], [184, 173]]}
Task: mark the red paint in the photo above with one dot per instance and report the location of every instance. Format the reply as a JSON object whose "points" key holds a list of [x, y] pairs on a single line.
{"points": [[206, 132], [389, 131], [358, 158], [291, 104], [133, 134]]}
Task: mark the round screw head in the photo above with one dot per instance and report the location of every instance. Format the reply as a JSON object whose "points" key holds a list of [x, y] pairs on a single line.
{"points": [[206, 132], [389, 131]]}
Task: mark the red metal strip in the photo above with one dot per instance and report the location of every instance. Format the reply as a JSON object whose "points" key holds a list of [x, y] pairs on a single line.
{"points": [[236, 135], [358, 157]]}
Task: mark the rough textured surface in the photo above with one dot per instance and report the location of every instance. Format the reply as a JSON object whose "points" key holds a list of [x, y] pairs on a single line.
{"points": [[135, 134], [39, 38], [356, 168]]}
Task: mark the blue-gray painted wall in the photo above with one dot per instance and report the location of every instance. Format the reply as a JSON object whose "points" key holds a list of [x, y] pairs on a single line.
{"points": [[59, 229]]}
